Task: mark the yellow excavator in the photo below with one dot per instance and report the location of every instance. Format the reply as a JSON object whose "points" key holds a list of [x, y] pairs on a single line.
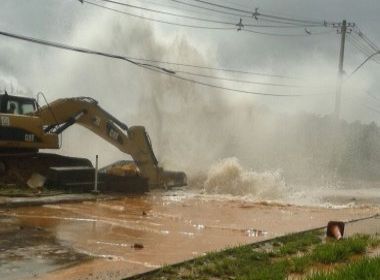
{"points": [[26, 128]]}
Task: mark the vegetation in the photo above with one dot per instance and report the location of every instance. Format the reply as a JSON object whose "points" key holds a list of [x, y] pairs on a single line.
{"points": [[17, 191], [364, 269], [294, 254]]}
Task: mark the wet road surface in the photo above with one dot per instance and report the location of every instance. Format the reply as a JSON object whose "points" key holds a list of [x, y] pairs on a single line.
{"points": [[118, 238]]}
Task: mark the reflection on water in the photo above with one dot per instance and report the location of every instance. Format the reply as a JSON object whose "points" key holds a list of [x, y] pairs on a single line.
{"points": [[26, 251], [170, 227]]}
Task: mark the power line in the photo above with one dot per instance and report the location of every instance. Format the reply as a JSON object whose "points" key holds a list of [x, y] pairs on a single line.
{"points": [[224, 7], [370, 48], [358, 45], [240, 81], [193, 17], [245, 16], [154, 68], [373, 97], [203, 27], [293, 19], [207, 9], [364, 62], [361, 48], [256, 14], [196, 18], [171, 6], [371, 108], [158, 20], [234, 71], [367, 40], [286, 34], [362, 43], [167, 13], [362, 104]]}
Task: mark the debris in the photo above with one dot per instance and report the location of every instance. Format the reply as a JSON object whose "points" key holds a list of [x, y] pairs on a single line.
{"points": [[2, 168], [335, 230], [138, 246], [36, 181]]}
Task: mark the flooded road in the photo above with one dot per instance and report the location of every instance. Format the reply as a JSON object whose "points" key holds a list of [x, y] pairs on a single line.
{"points": [[117, 238]]}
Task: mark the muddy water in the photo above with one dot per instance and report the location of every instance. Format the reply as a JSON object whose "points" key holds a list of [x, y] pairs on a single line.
{"points": [[102, 240]]}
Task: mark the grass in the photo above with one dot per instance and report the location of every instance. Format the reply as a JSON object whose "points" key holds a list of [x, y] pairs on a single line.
{"points": [[363, 269], [17, 191], [293, 254], [333, 252], [294, 243]]}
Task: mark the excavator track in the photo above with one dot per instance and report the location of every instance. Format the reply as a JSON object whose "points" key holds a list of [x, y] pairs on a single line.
{"points": [[19, 167]]}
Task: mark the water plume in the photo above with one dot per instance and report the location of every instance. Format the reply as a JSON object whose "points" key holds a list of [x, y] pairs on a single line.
{"points": [[228, 177]]}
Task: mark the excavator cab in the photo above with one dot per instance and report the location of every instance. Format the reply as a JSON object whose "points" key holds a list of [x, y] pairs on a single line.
{"points": [[19, 105]]}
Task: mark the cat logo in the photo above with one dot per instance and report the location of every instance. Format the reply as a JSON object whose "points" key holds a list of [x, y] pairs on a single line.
{"points": [[114, 134], [96, 121], [4, 121], [29, 137]]}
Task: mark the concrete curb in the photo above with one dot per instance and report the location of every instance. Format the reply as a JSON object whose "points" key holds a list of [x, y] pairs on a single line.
{"points": [[13, 202], [256, 244]]}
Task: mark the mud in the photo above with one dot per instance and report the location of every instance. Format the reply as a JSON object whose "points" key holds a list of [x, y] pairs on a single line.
{"points": [[100, 237]]}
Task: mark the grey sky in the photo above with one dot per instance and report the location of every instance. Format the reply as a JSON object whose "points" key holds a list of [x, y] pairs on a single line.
{"points": [[121, 87]]}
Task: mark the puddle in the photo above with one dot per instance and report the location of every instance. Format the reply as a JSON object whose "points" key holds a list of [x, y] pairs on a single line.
{"points": [[26, 251]]}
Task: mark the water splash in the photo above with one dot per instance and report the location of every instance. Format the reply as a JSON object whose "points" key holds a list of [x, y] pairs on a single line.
{"points": [[229, 177]]}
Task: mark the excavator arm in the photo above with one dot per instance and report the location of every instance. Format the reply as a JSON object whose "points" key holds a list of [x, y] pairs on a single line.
{"points": [[85, 111]]}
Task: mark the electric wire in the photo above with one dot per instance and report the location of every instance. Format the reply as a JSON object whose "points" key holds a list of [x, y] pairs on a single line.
{"points": [[250, 17], [367, 40], [364, 49], [203, 67], [154, 68], [208, 9], [202, 19], [257, 14], [286, 34], [158, 20], [359, 101], [168, 13], [372, 109], [375, 98], [364, 62], [249, 92], [241, 81], [203, 27], [371, 47], [224, 7], [204, 9], [358, 47]]}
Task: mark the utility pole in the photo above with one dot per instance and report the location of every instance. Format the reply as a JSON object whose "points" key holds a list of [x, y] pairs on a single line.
{"points": [[338, 93], [343, 31]]}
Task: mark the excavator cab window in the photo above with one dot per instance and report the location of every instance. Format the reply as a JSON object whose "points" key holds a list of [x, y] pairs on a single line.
{"points": [[17, 105], [27, 107], [12, 107]]}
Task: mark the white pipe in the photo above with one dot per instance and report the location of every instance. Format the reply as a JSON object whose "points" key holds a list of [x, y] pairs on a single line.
{"points": [[96, 174]]}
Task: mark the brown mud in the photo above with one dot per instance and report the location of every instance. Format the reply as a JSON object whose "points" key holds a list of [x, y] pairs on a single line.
{"points": [[100, 237]]}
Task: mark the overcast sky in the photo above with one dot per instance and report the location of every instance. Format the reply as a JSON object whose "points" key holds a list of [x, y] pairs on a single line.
{"points": [[121, 87]]}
